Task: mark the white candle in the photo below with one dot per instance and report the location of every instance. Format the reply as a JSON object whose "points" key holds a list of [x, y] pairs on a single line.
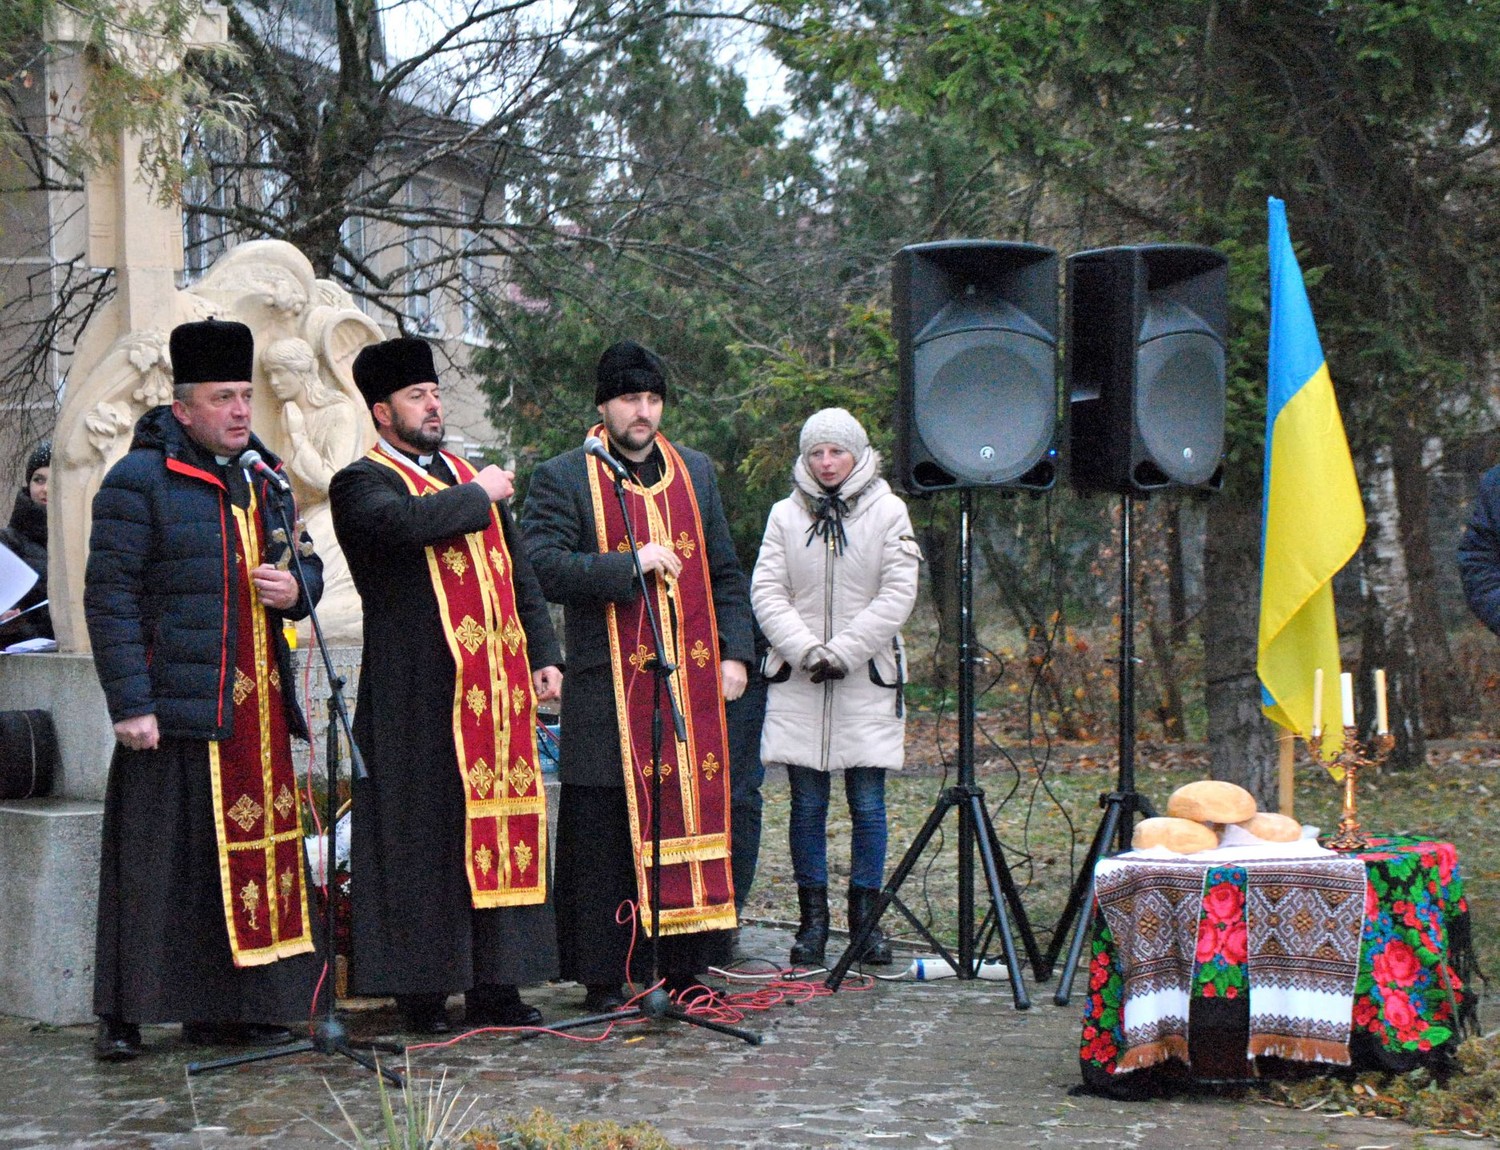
{"points": [[1346, 693], [1317, 718], [1382, 725]]}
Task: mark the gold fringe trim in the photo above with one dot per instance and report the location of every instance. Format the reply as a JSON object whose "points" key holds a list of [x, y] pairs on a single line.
{"points": [[1150, 1053], [1299, 1049]]}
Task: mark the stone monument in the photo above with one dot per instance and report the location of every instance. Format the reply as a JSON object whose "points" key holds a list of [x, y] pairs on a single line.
{"points": [[307, 410], [306, 407]]}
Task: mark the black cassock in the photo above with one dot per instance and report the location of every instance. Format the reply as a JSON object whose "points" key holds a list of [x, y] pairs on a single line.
{"points": [[415, 928], [595, 853], [162, 950]]}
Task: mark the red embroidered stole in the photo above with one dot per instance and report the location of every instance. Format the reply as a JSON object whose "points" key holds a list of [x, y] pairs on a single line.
{"points": [[697, 892], [494, 708], [256, 809]]}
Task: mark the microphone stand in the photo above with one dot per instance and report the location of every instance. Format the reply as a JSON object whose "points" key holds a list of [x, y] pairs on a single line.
{"points": [[329, 1034], [656, 1003]]}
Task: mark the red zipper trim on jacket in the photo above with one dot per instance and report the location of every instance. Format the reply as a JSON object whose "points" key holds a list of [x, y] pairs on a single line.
{"points": [[197, 473]]}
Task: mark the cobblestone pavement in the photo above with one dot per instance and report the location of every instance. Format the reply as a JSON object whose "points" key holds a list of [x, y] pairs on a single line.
{"points": [[897, 1064]]}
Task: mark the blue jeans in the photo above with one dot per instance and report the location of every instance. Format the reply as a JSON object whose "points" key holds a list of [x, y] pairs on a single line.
{"points": [[807, 825]]}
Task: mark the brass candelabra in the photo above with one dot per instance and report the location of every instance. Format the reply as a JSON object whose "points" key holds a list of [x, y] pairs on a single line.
{"points": [[1353, 756]]}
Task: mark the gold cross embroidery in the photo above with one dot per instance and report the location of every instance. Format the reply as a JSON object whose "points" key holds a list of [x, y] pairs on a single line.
{"points": [[470, 634], [512, 634], [284, 801], [498, 560], [286, 882], [481, 778], [523, 855], [640, 658], [521, 776], [244, 687], [476, 700], [666, 769], [517, 698], [246, 811], [710, 767], [686, 544], [250, 900], [456, 561], [276, 677], [484, 859], [699, 654]]}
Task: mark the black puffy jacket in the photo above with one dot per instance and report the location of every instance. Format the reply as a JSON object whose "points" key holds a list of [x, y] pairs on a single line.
{"points": [[159, 601]]}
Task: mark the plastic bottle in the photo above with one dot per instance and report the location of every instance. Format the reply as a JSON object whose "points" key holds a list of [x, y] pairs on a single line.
{"points": [[931, 968]]}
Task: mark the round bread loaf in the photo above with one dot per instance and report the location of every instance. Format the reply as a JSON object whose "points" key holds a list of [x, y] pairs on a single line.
{"points": [[1272, 827], [1181, 835], [1211, 801]]}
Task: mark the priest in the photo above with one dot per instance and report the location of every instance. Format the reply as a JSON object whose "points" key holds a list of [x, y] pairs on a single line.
{"points": [[203, 908], [578, 542], [448, 864]]}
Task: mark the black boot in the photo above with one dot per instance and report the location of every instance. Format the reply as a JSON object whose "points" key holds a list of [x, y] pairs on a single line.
{"points": [[116, 1041], [812, 931], [877, 951]]}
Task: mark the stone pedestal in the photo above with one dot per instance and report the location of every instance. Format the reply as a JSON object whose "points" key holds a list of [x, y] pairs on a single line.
{"points": [[49, 885], [66, 686], [49, 847]]}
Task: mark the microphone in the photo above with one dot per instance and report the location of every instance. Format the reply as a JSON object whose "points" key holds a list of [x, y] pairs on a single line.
{"points": [[251, 460], [595, 447]]}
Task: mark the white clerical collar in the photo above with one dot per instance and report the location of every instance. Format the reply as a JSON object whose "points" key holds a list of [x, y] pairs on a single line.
{"points": [[401, 457]]}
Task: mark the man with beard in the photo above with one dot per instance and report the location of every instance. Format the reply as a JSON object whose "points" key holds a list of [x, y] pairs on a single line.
{"points": [[203, 909], [577, 539], [449, 856]]}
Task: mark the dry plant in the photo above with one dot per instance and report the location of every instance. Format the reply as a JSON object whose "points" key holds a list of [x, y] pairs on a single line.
{"points": [[427, 1119]]}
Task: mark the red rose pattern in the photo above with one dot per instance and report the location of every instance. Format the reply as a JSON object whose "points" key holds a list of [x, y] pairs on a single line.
{"points": [[1414, 893]]}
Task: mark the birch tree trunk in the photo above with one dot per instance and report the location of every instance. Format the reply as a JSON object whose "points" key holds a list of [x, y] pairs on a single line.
{"points": [[1387, 631], [1444, 692]]}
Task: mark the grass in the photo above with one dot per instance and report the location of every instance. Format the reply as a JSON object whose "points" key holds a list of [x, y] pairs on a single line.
{"points": [[1046, 812]]}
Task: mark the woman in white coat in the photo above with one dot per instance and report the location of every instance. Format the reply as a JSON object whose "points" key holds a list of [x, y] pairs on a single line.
{"points": [[835, 580]]}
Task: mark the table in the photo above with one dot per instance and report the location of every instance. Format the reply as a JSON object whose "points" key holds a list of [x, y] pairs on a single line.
{"points": [[1415, 958]]}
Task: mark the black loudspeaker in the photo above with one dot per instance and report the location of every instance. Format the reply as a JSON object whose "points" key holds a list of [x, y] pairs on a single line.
{"points": [[979, 403], [1145, 337]]}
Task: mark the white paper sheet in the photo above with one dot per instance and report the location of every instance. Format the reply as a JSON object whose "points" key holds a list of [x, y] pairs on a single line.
{"points": [[16, 578]]}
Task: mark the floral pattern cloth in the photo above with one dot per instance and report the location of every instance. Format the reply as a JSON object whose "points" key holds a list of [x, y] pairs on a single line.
{"points": [[1414, 956]]}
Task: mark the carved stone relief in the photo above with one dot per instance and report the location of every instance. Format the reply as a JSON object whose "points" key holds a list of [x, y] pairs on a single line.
{"points": [[306, 409]]}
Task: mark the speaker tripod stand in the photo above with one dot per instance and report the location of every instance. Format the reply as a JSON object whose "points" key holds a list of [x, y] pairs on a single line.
{"points": [[974, 828], [1120, 805]]}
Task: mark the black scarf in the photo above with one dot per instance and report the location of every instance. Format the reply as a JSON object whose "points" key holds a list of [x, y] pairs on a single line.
{"points": [[29, 519], [828, 512]]}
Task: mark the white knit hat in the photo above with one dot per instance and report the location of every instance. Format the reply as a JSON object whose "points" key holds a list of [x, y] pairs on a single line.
{"points": [[836, 426]]}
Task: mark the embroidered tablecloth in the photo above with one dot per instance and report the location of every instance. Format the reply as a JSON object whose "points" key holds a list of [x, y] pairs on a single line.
{"points": [[1408, 993]]}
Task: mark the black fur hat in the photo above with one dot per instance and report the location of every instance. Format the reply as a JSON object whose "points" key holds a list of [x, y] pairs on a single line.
{"points": [[212, 351], [382, 368], [626, 368]]}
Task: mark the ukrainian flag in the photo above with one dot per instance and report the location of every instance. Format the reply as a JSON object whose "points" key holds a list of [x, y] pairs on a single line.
{"points": [[1314, 517]]}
